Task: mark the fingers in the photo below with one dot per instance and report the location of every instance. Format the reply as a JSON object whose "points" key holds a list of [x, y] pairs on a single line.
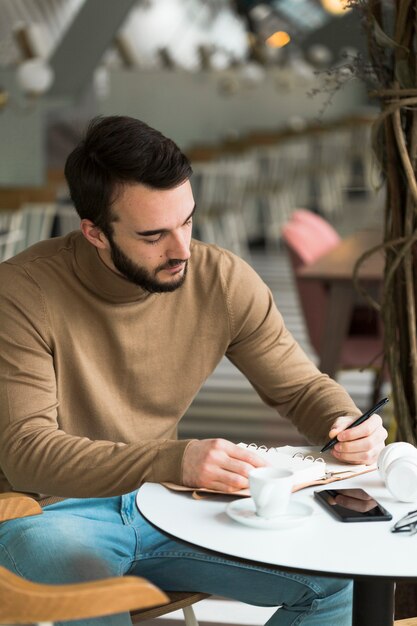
{"points": [[340, 425], [366, 429], [218, 464], [228, 482], [361, 444], [245, 455]]}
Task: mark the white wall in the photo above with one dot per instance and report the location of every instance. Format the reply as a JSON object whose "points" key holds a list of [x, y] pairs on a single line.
{"points": [[190, 108], [22, 154]]}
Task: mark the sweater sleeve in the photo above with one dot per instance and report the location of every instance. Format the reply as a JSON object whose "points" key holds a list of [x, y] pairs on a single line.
{"points": [[36, 455], [268, 355]]}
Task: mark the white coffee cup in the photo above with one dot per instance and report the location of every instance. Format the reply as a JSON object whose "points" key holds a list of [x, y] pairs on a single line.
{"points": [[270, 489]]}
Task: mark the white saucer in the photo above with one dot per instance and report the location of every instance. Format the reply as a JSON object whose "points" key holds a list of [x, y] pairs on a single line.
{"points": [[243, 511]]}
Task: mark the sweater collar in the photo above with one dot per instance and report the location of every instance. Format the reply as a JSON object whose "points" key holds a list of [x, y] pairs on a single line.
{"points": [[100, 279]]}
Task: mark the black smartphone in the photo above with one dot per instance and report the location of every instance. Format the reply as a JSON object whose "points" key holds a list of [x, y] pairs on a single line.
{"points": [[352, 505]]}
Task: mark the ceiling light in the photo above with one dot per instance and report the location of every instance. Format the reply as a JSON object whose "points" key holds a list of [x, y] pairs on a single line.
{"points": [[34, 76], [278, 39], [336, 7], [182, 28], [252, 73], [269, 27], [32, 40], [319, 55], [260, 12], [219, 60]]}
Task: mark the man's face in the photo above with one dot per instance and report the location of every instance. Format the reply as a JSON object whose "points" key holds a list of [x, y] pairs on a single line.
{"points": [[150, 243]]}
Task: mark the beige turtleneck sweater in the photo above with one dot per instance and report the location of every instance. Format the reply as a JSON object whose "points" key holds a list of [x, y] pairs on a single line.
{"points": [[96, 373]]}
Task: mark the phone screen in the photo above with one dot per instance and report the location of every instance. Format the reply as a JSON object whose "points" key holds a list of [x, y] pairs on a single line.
{"points": [[352, 505]]}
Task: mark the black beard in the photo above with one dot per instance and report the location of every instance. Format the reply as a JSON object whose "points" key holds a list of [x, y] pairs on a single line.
{"points": [[140, 276]]}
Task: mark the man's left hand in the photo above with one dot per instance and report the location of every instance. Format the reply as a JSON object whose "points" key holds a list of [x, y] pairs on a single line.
{"points": [[361, 444]]}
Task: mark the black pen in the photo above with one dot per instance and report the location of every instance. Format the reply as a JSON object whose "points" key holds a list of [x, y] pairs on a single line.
{"points": [[358, 421]]}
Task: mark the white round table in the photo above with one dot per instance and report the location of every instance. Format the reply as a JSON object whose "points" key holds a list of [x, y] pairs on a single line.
{"points": [[366, 552]]}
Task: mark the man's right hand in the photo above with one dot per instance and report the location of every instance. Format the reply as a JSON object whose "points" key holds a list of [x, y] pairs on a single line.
{"points": [[218, 464]]}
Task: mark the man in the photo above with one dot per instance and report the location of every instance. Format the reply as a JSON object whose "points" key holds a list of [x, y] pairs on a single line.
{"points": [[106, 335]]}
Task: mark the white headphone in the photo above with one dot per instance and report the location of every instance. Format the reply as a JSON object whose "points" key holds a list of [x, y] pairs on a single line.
{"points": [[397, 464]]}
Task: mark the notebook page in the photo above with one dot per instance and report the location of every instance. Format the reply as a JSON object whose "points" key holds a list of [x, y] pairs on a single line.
{"points": [[313, 473], [333, 465], [306, 470]]}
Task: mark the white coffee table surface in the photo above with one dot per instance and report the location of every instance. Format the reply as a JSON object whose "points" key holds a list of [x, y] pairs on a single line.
{"points": [[321, 544]]}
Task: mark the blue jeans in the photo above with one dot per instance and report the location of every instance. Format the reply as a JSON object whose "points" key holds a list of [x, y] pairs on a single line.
{"points": [[86, 539]]}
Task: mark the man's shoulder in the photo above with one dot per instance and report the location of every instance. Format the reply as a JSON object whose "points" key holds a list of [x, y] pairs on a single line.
{"points": [[209, 255], [41, 265], [210, 259], [205, 250], [48, 251]]}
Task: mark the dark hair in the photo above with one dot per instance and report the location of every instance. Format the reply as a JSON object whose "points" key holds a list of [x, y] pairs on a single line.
{"points": [[118, 150]]}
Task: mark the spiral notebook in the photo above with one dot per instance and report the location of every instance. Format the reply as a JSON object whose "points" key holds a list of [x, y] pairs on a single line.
{"points": [[310, 466]]}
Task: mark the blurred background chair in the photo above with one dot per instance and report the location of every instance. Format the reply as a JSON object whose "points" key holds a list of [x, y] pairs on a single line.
{"points": [[24, 602], [8, 242], [23, 227], [11, 233], [67, 219], [331, 170], [219, 189], [307, 237], [36, 223]]}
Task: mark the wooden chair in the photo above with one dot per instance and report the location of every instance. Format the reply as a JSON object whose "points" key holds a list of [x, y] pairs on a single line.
{"points": [[176, 600], [23, 602], [130, 593]]}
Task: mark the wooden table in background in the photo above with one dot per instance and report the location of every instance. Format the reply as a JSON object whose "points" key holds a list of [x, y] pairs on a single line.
{"points": [[335, 269]]}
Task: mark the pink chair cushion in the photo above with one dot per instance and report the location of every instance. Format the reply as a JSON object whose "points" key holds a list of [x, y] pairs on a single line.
{"points": [[307, 242], [318, 225]]}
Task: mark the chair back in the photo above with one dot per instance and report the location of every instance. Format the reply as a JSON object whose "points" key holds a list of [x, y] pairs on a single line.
{"points": [[318, 223], [309, 236]]}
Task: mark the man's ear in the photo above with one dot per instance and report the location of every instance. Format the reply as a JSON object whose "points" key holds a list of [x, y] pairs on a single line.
{"points": [[94, 235]]}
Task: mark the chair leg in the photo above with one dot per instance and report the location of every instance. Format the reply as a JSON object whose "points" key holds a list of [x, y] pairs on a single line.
{"points": [[189, 616]]}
